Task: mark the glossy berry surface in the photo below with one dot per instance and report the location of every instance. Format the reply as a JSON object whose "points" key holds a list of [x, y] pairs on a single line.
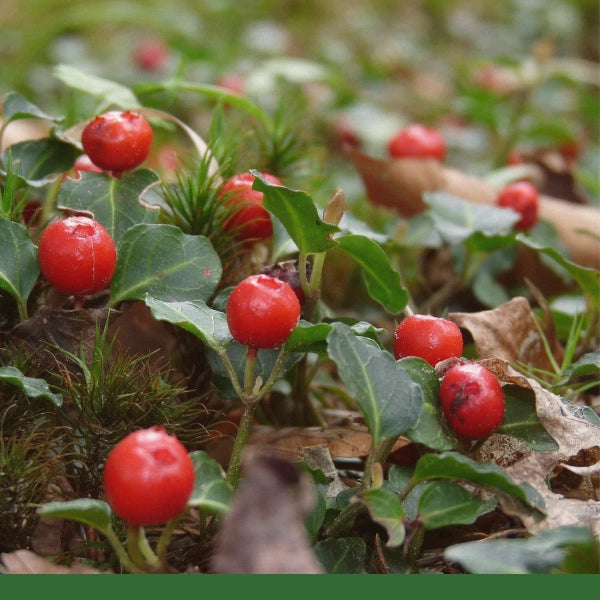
{"points": [[117, 141], [262, 311], [523, 198], [417, 141], [249, 220], [77, 255], [431, 338], [472, 400], [148, 477]]}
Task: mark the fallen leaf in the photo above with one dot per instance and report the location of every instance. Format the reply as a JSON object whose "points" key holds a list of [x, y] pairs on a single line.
{"points": [[508, 332], [264, 531], [24, 562]]}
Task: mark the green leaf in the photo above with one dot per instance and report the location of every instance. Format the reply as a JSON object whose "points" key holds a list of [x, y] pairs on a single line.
{"points": [[165, 263], [588, 364], [15, 106], [586, 277], [114, 201], [308, 337], [443, 503], [109, 92], [543, 553], [298, 214], [342, 556], [211, 490], [457, 220], [383, 282], [19, 269], [386, 509], [95, 513], [205, 323], [39, 162], [453, 465], [521, 420], [32, 387], [389, 398], [429, 429]]}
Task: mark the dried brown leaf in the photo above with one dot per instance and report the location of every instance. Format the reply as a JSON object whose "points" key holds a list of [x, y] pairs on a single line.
{"points": [[24, 562], [264, 532], [508, 332]]}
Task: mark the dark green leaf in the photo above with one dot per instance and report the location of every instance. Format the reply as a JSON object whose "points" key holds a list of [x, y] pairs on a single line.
{"points": [[521, 420], [32, 387], [342, 556], [114, 201], [389, 398], [383, 282], [95, 513], [588, 364], [586, 277], [19, 269], [443, 503], [196, 317], [542, 553], [457, 220], [308, 337], [386, 509], [15, 106], [453, 465], [165, 263], [298, 214], [211, 492], [39, 162], [429, 429]]}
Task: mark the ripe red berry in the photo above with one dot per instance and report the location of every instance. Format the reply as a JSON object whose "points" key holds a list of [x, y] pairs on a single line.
{"points": [[472, 400], [77, 255], [262, 311], [431, 338], [117, 141], [523, 198], [151, 55], [148, 477], [417, 141], [249, 220]]}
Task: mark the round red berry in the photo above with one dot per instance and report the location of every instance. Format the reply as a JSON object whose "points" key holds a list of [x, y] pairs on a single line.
{"points": [[472, 400], [262, 311], [249, 220], [151, 55], [117, 141], [148, 477], [77, 255], [417, 141], [431, 338], [523, 198]]}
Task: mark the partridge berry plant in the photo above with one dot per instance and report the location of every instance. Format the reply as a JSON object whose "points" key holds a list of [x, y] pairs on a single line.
{"points": [[266, 333]]}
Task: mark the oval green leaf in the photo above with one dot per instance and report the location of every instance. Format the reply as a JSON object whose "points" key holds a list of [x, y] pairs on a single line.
{"points": [[32, 387], [211, 492], [165, 263], [88, 511]]}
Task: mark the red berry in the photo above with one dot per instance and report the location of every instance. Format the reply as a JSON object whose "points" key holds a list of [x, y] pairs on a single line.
{"points": [[431, 338], [523, 198], [77, 255], [249, 220], [151, 55], [417, 141], [472, 400], [117, 141], [148, 477], [262, 311]]}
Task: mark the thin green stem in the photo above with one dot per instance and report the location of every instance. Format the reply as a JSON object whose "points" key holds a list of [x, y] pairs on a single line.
{"points": [[139, 550], [249, 370], [121, 553], [163, 541], [241, 439], [377, 454]]}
